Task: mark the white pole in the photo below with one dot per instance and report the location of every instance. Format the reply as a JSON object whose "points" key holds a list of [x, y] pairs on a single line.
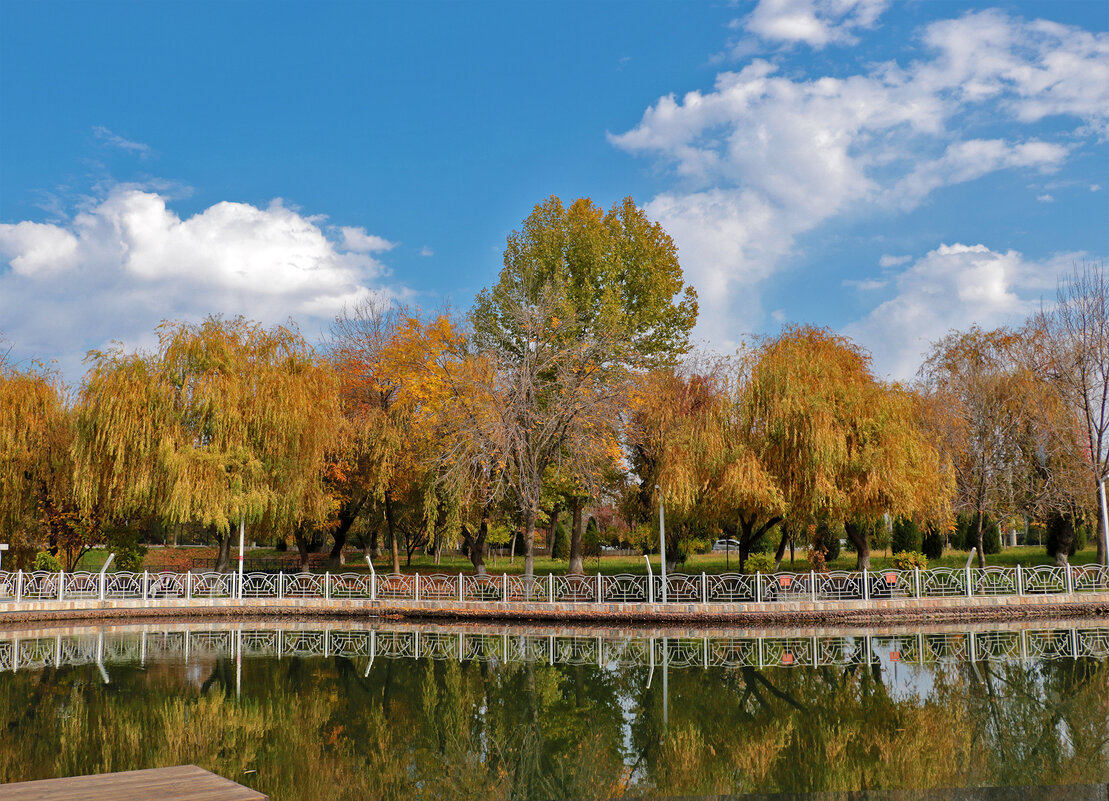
{"points": [[242, 545], [3, 547], [1104, 517], [650, 581], [662, 541]]}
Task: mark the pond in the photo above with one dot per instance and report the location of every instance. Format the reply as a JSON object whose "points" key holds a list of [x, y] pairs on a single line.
{"points": [[350, 710]]}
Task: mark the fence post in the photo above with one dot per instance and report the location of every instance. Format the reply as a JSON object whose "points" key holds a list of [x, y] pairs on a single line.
{"points": [[758, 587], [812, 584], [650, 583], [504, 587], [145, 582], [600, 590], [704, 588], [969, 589], [1020, 581], [19, 586], [188, 585], [327, 585], [866, 585], [417, 587], [101, 586], [916, 581], [1070, 581], [550, 588], [281, 585], [61, 584], [460, 590]]}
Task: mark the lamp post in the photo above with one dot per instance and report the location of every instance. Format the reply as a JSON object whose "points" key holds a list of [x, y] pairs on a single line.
{"points": [[3, 547], [242, 545], [662, 540]]}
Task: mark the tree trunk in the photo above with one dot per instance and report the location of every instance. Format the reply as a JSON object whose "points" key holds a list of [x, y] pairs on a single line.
{"points": [[392, 531], [781, 552], [859, 534], [981, 544], [576, 534], [749, 536], [476, 546], [223, 561], [1103, 516], [529, 542], [551, 532], [302, 548]]}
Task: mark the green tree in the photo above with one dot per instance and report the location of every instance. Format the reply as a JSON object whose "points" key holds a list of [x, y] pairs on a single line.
{"points": [[584, 299]]}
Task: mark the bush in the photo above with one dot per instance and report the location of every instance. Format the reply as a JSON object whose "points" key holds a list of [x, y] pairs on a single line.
{"points": [[759, 563], [906, 536], [966, 533], [1060, 530], [907, 560], [129, 550], [827, 538], [591, 539], [932, 544], [560, 547], [44, 560], [991, 536]]}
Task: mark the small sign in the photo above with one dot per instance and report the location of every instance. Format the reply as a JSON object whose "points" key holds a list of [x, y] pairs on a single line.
{"points": [[891, 578], [787, 658], [895, 656], [785, 581]]}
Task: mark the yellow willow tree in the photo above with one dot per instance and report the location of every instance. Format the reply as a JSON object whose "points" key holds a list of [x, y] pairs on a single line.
{"points": [[36, 430], [226, 422], [839, 443]]}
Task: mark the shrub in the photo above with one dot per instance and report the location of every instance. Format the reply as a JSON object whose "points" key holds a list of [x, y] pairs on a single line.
{"points": [[966, 533], [815, 555], [129, 550], [1060, 531], [932, 544], [44, 560], [560, 546], [827, 538], [906, 536], [591, 539], [907, 560], [759, 563], [991, 536]]}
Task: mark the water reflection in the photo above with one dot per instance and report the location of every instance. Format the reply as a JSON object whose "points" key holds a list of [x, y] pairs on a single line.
{"points": [[405, 711]]}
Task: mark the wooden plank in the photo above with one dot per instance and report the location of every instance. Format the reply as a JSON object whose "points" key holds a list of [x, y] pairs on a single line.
{"points": [[182, 783]]}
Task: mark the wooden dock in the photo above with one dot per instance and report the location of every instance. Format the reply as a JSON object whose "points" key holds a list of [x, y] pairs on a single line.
{"points": [[182, 783]]}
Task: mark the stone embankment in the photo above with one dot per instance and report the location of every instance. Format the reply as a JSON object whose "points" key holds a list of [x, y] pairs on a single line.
{"points": [[778, 613]]}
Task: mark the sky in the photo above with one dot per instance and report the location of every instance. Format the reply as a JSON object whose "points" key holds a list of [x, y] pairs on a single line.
{"points": [[892, 170]]}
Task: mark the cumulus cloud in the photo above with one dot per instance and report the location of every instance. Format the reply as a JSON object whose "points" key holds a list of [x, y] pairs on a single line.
{"points": [[892, 261], [120, 266], [763, 158], [813, 22], [946, 290]]}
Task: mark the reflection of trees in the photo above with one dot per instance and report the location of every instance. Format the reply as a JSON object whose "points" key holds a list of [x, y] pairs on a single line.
{"points": [[324, 729]]}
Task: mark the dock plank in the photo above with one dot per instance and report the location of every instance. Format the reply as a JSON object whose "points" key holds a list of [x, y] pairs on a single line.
{"points": [[181, 783]]}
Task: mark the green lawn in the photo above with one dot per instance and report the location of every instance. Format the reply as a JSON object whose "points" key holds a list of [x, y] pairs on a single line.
{"points": [[609, 565]]}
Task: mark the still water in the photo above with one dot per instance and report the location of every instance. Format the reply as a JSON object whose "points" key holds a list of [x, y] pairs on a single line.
{"points": [[407, 711]]}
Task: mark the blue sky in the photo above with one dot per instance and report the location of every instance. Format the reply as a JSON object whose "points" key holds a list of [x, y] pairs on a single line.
{"points": [[892, 170]]}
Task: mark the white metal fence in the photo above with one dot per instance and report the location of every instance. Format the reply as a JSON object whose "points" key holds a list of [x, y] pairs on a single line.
{"points": [[681, 588]]}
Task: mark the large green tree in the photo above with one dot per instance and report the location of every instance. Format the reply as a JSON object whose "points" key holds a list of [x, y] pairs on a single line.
{"points": [[585, 299]]}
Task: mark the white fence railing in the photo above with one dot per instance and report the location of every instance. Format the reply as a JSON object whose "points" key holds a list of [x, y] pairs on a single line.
{"points": [[625, 588]]}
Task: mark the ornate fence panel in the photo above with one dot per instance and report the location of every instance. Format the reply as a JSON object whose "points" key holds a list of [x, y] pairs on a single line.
{"points": [[166, 585], [730, 588], [839, 586], [786, 586], [943, 582], [1044, 579], [125, 585], [82, 585], [683, 589], [624, 588], [993, 581], [891, 583], [264, 585], [481, 588], [213, 585], [1090, 578], [350, 585], [575, 589], [527, 589]]}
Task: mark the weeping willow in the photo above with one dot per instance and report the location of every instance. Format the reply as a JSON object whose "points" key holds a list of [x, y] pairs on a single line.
{"points": [[224, 421]]}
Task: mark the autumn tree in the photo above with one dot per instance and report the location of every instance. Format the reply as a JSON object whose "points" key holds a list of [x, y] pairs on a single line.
{"points": [[1074, 359], [585, 299], [36, 430], [839, 443], [984, 403], [225, 422]]}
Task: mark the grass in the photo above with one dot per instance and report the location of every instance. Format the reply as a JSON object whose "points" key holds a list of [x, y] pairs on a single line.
{"points": [[1025, 555]]}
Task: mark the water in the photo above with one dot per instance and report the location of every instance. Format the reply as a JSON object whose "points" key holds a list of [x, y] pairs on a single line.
{"points": [[404, 711]]}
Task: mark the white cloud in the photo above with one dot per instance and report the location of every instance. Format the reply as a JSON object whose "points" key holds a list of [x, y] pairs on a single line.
{"points": [[866, 285], [115, 140], [426, 251], [123, 264], [892, 261], [1045, 198], [763, 158], [947, 289], [813, 22]]}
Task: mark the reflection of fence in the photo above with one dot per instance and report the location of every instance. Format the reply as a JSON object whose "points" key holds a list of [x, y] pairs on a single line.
{"points": [[629, 651], [865, 585]]}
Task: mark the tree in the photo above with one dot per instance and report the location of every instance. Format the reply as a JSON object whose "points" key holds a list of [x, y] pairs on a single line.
{"points": [[839, 443], [1075, 360], [584, 300], [36, 430], [225, 422], [983, 405]]}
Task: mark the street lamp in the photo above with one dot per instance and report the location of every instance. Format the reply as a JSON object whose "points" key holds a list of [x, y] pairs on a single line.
{"points": [[662, 540]]}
